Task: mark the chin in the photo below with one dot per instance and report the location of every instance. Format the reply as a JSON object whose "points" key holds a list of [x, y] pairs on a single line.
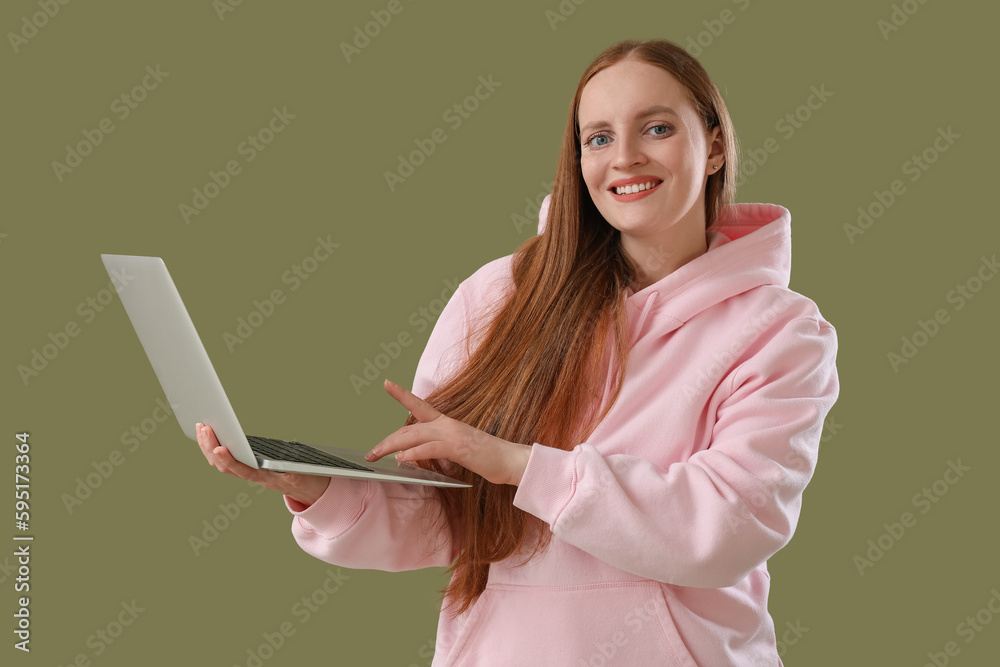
{"points": [[635, 220]]}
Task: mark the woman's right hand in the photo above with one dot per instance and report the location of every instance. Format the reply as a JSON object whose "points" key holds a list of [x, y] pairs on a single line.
{"points": [[305, 489]]}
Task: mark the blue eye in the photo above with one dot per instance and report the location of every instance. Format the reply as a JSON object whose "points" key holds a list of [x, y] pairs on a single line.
{"points": [[665, 128], [599, 140]]}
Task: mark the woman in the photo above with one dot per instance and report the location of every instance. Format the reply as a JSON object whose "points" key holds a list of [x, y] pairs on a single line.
{"points": [[636, 396]]}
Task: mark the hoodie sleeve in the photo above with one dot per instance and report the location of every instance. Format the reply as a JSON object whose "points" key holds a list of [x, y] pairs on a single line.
{"points": [[388, 526], [710, 520]]}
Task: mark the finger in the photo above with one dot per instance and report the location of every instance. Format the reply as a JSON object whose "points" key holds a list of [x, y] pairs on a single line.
{"points": [[435, 449], [217, 455], [223, 460], [207, 442], [418, 407], [405, 438], [229, 465]]}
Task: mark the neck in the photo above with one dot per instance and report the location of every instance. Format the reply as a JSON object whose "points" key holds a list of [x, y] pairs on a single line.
{"points": [[655, 260]]}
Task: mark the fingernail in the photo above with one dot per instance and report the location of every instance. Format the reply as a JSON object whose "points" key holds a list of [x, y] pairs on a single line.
{"points": [[370, 456], [400, 456]]}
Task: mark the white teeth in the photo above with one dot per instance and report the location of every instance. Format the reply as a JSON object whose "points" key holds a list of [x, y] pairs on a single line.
{"points": [[635, 187]]}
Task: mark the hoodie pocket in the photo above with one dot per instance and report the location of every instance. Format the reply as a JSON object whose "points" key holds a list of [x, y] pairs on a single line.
{"points": [[592, 625]]}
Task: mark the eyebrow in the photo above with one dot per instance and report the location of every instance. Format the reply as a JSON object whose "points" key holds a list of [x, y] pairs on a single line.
{"points": [[645, 113]]}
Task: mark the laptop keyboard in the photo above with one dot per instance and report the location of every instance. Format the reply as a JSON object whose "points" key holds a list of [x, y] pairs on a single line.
{"points": [[283, 450]]}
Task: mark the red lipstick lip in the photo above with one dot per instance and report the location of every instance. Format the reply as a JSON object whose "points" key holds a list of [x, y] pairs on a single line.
{"points": [[621, 182]]}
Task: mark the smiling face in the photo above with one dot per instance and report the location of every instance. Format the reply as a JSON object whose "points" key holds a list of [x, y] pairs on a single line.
{"points": [[646, 156]]}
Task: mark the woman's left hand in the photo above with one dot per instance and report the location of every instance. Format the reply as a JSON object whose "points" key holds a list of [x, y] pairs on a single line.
{"points": [[436, 436]]}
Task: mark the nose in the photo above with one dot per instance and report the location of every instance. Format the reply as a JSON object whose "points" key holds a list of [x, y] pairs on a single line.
{"points": [[628, 153]]}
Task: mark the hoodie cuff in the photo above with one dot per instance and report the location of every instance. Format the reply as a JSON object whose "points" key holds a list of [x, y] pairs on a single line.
{"points": [[336, 510], [548, 483]]}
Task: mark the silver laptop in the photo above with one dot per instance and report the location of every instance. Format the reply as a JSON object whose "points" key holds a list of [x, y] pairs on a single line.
{"points": [[196, 395]]}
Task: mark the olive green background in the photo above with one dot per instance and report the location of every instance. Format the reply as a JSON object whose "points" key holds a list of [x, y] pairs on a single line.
{"points": [[892, 433]]}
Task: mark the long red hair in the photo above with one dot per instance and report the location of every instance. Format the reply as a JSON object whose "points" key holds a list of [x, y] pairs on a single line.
{"points": [[539, 366]]}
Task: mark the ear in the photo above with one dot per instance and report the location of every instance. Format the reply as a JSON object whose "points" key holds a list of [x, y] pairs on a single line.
{"points": [[716, 151]]}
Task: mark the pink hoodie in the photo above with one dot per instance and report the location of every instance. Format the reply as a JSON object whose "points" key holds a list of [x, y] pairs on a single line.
{"points": [[663, 520]]}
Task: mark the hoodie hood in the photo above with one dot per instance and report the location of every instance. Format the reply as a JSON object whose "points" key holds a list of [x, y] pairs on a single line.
{"points": [[751, 246]]}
